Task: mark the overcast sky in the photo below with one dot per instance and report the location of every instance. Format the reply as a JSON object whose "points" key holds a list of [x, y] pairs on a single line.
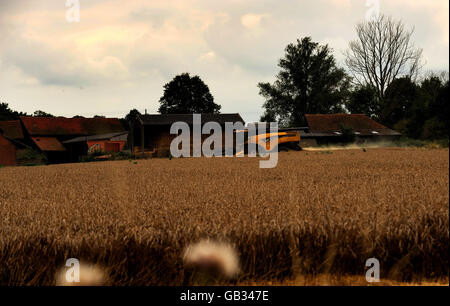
{"points": [[121, 53]]}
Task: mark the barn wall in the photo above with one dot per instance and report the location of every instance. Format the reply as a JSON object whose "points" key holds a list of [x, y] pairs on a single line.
{"points": [[107, 145], [7, 152], [158, 138]]}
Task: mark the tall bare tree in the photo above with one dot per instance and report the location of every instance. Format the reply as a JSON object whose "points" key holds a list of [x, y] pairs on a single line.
{"points": [[383, 52]]}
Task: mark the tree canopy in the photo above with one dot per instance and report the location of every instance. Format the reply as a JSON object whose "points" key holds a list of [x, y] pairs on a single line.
{"points": [[186, 94], [399, 100], [309, 82], [362, 100], [7, 113], [132, 115], [40, 113], [129, 118], [417, 110]]}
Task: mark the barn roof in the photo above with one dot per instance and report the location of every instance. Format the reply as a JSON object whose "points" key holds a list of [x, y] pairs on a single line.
{"points": [[11, 129], [95, 137], [48, 143], [360, 124], [168, 119], [60, 126], [4, 141]]}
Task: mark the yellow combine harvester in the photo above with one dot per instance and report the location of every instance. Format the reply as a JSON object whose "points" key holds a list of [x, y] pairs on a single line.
{"points": [[285, 139]]}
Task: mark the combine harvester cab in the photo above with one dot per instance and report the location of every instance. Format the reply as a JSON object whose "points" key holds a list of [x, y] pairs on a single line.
{"points": [[286, 139]]}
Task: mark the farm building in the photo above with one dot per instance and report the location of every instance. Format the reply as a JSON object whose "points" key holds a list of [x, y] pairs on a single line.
{"points": [[12, 129], [111, 142], [48, 134], [7, 151], [11, 139], [329, 129], [151, 133]]}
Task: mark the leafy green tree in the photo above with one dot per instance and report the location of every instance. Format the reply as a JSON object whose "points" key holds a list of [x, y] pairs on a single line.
{"points": [[309, 82], [399, 99], [268, 116], [418, 111], [363, 100], [8, 114], [437, 124], [129, 118], [186, 94], [347, 134], [40, 113], [132, 115]]}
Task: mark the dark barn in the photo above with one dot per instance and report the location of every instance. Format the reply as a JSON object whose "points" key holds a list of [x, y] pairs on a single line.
{"points": [[11, 140], [48, 133], [83, 145], [7, 151], [150, 134], [328, 129]]}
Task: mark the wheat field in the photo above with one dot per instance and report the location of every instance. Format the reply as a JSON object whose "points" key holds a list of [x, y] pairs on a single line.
{"points": [[316, 213]]}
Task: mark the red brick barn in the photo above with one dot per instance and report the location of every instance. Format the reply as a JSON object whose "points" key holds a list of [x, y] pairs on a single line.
{"points": [[7, 152], [111, 142], [49, 133], [11, 140]]}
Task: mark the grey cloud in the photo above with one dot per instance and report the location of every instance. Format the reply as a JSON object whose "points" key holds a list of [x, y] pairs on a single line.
{"points": [[60, 67], [43, 64]]}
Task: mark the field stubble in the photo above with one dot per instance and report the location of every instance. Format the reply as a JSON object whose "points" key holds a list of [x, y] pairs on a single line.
{"points": [[314, 214]]}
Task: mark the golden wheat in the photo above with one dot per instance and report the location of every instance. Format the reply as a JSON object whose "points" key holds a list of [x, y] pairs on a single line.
{"points": [[315, 213]]}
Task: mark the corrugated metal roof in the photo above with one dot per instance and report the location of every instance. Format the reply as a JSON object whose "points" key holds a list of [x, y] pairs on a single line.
{"points": [[48, 143], [329, 124], [60, 126], [95, 137], [168, 119], [11, 129]]}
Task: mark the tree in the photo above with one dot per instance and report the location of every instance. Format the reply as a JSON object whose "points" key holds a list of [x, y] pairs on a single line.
{"points": [[130, 117], [437, 125], [309, 82], [418, 111], [382, 53], [186, 94], [40, 113], [8, 114], [400, 98], [362, 100], [347, 134]]}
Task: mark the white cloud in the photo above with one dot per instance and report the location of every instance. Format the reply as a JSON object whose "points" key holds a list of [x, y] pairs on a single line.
{"points": [[120, 54], [253, 20]]}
